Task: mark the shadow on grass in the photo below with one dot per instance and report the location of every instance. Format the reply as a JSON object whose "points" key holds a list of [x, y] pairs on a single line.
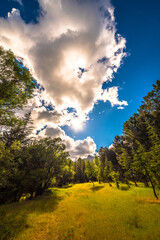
{"points": [[13, 217], [97, 188], [11, 226], [124, 188], [66, 186]]}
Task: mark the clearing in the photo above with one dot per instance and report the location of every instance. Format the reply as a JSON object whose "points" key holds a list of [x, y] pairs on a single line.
{"points": [[83, 212]]}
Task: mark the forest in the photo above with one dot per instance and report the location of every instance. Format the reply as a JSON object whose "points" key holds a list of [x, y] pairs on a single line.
{"points": [[29, 166]]}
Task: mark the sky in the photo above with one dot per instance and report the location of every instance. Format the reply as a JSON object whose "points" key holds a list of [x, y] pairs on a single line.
{"points": [[93, 60]]}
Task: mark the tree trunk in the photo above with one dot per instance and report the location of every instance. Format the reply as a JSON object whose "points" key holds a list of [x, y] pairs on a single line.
{"points": [[134, 180], [152, 184], [154, 190], [117, 184], [39, 191]]}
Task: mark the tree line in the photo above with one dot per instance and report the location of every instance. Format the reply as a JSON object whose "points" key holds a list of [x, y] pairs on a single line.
{"points": [[138, 149], [135, 155], [104, 168]]}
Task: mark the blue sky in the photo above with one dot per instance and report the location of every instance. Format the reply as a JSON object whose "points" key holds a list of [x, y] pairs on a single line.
{"points": [[138, 22]]}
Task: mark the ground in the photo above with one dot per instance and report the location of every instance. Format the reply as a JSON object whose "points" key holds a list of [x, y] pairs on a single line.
{"points": [[85, 212]]}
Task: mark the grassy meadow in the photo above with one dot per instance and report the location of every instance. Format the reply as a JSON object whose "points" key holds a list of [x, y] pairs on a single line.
{"points": [[81, 212]]}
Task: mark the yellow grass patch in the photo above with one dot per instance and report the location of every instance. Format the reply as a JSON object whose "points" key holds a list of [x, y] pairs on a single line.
{"points": [[84, 212]]}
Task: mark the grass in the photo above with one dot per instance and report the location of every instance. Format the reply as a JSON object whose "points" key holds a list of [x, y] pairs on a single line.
{"points": [[84, 212]]}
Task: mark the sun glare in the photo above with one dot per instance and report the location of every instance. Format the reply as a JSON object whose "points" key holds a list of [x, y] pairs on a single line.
{"points": [[77, 124]]}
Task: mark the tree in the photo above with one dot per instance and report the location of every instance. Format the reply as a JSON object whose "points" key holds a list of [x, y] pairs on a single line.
{"points": [[102, 157], [107, 171], [67, 173], [41, 162], [138, 149], [16, 87], [79, 168], [9, 174], [97, 168], [115, 177], [90, 171], [21, 131], [107, 157], [144, 162], [150, 108]]}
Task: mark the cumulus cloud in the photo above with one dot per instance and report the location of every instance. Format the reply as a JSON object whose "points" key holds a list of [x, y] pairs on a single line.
{"points": [[112, 95], [79, 148], [72, 36], [83, 148], [53, 132], [71, 51], [14, 14]]}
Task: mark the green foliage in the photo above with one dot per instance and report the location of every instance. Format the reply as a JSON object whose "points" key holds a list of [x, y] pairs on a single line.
{"points": [[90, 171], [79, 169], [30, 170], [9, 163], [115, 177], [97, 168], [107, 163], [138, 150], [66, 174], [102, 157], [41, 161], [19, 132], [16, 87]]}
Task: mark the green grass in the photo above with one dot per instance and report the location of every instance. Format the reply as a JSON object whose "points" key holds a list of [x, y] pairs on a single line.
{"points": [[83, 212]]}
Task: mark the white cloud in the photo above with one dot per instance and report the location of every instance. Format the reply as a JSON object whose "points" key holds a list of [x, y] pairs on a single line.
{"points": [[83, 148], [110, 147], [14, 15], [53, 132], [111, 95], [121, 108], [41, 117], [79, 148], [71, 52], [71, 35]]}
